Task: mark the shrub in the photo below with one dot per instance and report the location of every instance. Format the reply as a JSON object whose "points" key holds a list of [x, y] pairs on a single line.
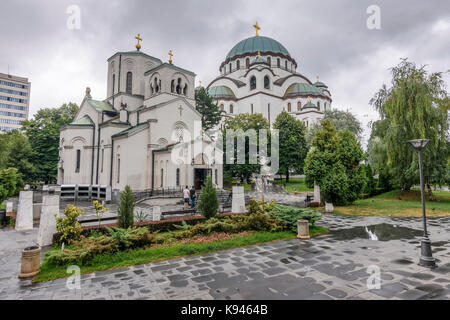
{"points": [[208, 202], [290, 215], [10, 183], [125, 218], [259, 207], [335, 187], [69, 226], [99, 209]]}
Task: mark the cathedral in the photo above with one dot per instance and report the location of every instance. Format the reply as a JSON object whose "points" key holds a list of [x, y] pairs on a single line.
{"points": [[259, 75], [146, 133]]}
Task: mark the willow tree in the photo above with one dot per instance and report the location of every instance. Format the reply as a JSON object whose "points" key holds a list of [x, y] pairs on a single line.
{"points": [[414, 107]]}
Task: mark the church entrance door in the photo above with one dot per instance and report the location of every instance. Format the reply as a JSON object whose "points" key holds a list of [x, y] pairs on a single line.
{"points": [[200, 176]]}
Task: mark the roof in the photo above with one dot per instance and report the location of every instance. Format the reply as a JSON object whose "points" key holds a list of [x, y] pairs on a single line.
{"points": [[309, 105], [131, 130], [83, 121], [136, 52], [101, 106], [319, 84], [169, 65], [255, 44], [296, 89], [221, 92]]}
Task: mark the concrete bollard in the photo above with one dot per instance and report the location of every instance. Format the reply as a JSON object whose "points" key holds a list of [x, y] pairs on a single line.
{"points": [[329, 207], [303, 229], [24, 219], [31, 262]]}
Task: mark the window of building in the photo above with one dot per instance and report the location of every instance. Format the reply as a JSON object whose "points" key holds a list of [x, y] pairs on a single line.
{"points": [[230, 67], [185, 89], [269, 61], [179, 86], [247, 63], [278, 63], [215, 176], [231, 108], [238, 64], [178, 177], [222, 106], [289, 107], [285, 64], [318, 105], [113, 83], [118, 168], [266, 82], [253, 83], [78, 161], [162, 176], [324, 106], [129, 84], [251, 108], [299, 106], [172, 86]]}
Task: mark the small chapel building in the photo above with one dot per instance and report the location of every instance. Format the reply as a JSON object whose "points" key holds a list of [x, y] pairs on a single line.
{"points": [[146, 133]]}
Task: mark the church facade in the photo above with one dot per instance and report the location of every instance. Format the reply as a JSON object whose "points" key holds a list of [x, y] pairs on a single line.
{"points": [[145, 133], [259, 75]]}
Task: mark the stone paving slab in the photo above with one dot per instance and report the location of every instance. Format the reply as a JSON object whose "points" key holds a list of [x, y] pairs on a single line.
{"points": [[332, 266]]}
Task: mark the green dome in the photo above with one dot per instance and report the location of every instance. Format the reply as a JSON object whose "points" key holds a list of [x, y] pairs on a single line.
{"points": [[255, 44], [302, 89], [309, 105], [319, 84], [221, 92]]}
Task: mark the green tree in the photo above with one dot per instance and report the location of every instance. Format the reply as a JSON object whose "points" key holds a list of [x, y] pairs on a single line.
{"points": [[414, 107], [43, 133], [208, 202], [211, 113], [334, 163], [125, 217], [18, 155], [341, 120], [244, 122], [292, 143], [10, 183]]}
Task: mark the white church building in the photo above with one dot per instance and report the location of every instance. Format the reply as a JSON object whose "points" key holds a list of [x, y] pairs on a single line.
{"points": [[145, 133], [259, 75]]}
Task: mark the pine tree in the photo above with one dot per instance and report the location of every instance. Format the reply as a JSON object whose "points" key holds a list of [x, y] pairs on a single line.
{"points": [[208, 203], [125, 218]]}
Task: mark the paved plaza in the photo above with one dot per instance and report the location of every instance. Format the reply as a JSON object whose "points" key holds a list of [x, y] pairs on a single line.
{"points": [[332, 266]]}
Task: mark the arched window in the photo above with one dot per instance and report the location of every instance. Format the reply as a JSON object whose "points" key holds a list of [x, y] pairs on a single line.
{"points": [[238, 64], [278, 63], [269, 61], [179, 86], [266, 82], [253, 83], [285, 64], [172, 86], [178, 177], [299, 106], [247, 63], [156, 87], [231, 108], [318, 105], [289, 107], [129, 84], [222, 106], [230, 67], [113, 83], [324, 106], [185, 89]]}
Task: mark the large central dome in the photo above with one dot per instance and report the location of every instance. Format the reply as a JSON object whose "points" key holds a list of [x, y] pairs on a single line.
{"points": [[255, 44]]}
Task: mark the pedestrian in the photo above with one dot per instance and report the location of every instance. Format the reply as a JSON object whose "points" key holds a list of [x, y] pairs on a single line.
{"points": [[192, 194], [186, 197]]}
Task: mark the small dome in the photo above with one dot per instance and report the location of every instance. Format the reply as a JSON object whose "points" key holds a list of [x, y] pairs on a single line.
{"points": [[302, 89], [255, 44], [221, 92], [309, 105]]}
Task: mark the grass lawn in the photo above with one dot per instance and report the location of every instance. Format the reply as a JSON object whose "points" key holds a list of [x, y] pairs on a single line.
{"points": [[398, 203], [295, 184]]}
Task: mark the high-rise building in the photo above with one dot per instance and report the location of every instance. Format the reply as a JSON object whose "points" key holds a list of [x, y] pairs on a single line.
{"points": [[14, 101]]}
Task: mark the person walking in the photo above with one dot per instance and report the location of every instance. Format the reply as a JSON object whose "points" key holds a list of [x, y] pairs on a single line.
{"points": [[186, 197], [192, 194]]}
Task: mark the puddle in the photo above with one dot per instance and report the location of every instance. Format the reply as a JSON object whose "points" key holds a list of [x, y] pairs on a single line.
{"points": [[378, 232]]}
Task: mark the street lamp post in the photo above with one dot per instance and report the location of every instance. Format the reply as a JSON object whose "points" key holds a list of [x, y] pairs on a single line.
{"points": [[426, 257]]}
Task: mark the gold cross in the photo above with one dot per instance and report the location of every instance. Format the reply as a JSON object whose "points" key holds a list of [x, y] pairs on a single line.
{"points": [[138, 38], [181, 109], [256, 26], [170, 56]]}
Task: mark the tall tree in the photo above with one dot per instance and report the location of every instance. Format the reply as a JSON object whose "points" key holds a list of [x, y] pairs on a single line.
{"points": [[245, 121], [211, 113], [415, 107], [43, 134], [19, 155], [341, 120], [292, 143]]}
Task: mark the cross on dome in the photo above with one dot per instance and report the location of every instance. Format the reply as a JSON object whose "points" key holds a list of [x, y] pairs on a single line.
{"points": [[170, 56], [257, 28], [138, 38]]}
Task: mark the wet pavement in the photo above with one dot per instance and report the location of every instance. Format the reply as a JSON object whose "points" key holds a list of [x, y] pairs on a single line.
{"points": [[333, 266]]}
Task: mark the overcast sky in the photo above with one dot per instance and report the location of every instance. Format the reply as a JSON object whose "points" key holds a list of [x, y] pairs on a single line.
{"points": [[328, 38]]}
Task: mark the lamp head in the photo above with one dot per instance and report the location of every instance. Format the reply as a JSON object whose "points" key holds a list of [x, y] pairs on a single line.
{"points": [[419, 144]]}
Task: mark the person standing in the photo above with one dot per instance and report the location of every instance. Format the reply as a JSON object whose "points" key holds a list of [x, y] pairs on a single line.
{"points": [[186, 197], [192, 193]]}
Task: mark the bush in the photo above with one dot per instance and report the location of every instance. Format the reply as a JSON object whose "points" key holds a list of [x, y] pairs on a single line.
{"points": [[10, 183], [290, 215], [259, 207], [125, 218], [69, 226], [208, 202], [335, 187]]}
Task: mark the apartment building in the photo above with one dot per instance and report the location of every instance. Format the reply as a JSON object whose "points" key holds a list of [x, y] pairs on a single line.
{"points": [[14, 101]]}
